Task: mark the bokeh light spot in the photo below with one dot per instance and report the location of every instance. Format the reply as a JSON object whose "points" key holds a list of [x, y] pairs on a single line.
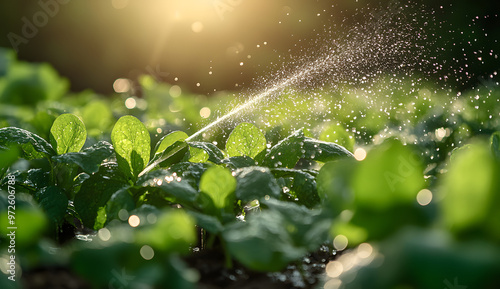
{"points": [[134, 221], [175, 91], [147, 252], [359, 154], [123, 214], [334, 269], [424, 197], [130, 103], [104, 234], [121, 85], [340, 242], [364, 250], [205, 112]]}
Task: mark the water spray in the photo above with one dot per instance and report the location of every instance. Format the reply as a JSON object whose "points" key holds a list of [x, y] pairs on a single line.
{"points": [[362, 52]]}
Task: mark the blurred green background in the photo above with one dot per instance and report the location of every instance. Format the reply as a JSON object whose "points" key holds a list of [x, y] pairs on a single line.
{"points": [[207, 45]]}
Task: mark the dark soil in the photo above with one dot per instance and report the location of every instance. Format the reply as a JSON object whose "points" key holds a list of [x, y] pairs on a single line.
{"points": [[305, 274]]}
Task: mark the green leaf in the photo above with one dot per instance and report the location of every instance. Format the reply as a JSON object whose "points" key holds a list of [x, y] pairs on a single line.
{"points": [[263, 242], [297, 146], [219, 185], [169, 140], [190, 172], [287, 152], [54, 203], [88, 159], [391, 174], [336, 133], [470, 190], [120, 200], [95, 193], [239, 162], [33, 179], [32, 146], [197, 155], [307, 228], [28, 83], [334, 185], [42, 122], [245, 140], [256, 183], [7, 157], [174, 231], [67, 134], [323, 151], [171, 155], [169, 184], [97, 116], [132, 145], [303, 186], [215, 154], [207, 222]]}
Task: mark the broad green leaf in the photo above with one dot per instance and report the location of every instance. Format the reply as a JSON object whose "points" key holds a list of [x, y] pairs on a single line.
{"points": [[120, 200], [391, 174], [67, 134], [470, 188], [336, 133], [169, 140], [239, 162], [307, 228], [297, 146], [132, 145], [168, 184], [169, 150], [334, 185], [97, 117], [207, 222], [214, 153], [171, 155], [27, 83], [95, 193], [190, 172], [323, 151], [197, 155], [174, 231], [245, 140], [33, 180], [88, 159], [31, 145], [7, 157], [219, 185], [303, 186], [287, 152], [255, 183], [42, 122], [263, 242], [54, 203]]}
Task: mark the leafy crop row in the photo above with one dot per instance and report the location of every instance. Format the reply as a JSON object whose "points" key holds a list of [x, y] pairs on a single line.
{"points": [[415, 214]]}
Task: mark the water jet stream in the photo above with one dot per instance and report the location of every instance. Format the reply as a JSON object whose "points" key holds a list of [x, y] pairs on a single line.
{"points": [[364, 51]]}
